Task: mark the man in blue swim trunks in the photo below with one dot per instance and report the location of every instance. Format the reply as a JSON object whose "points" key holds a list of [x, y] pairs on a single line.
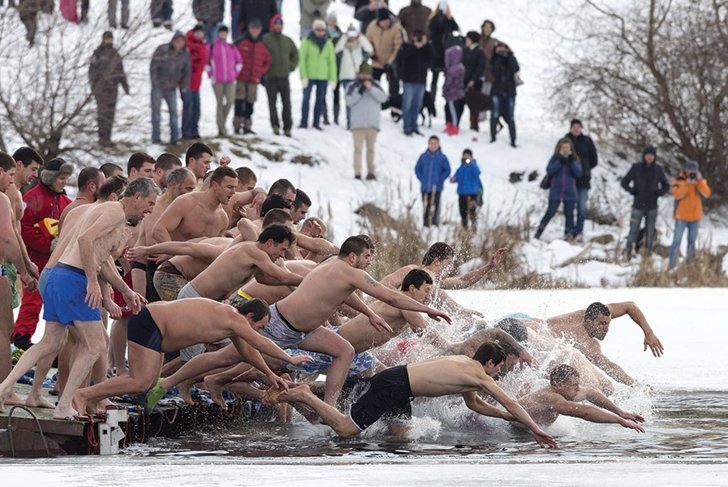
{"points": [[73, 291], [170, 326], [391, 391]]}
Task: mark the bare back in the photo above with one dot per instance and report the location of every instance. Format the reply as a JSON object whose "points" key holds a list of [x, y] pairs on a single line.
{"points": [[109, 216], [447, 375], [539, 405], [69, 233], [227, 273], [363, 336], [273, 294], [323, 290]]}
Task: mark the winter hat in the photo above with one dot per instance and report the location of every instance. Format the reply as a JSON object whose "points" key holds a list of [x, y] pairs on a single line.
{"points": [[55, 168], [107, 35], [276, 19], [691, 166], [576, 121], [649, 150], [352, 32], [178, 35], [318, 24], [255, 22], [365, 68], [442, 6], [331, 15], [382, 14]]}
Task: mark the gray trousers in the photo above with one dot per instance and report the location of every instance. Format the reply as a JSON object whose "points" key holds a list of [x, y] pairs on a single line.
{"points": [[225, 96], [124, 12]]}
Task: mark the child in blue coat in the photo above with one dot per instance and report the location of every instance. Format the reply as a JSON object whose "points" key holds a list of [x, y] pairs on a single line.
{"points": [[470, 189]]}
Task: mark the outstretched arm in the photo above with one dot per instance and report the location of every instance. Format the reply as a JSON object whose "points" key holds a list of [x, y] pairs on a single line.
{"points": [[475, 403], [593, 352], [591, 413], [470, 278], [198, 250], [270, 274], [631, 309], [359, 305], [600, 400], [488, 385]]}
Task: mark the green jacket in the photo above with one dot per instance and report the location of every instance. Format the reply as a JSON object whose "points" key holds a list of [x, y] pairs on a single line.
{"points": [[283, 53], [317, 63]]}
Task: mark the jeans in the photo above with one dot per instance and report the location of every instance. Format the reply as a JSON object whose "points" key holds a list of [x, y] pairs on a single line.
{"points": [[162, 11], [190, 114], [225, 96], [170, 97], [431, 202], [320, 85], [111, 11], [235, 29], [551, 210], [210, 33], [412, 95], [581, 202], [635, 220], [503, 106], [680, 226]]}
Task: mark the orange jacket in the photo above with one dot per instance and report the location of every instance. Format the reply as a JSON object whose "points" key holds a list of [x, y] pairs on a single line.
{"points": [[689, 206]]}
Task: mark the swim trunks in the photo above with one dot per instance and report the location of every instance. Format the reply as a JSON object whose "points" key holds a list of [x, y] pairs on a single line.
{"points": [[119, 298], [138, 265], [168, 281], [43, 280], [65, 294], [281, 331], [188, 291], [144, 331], [389, 395], [8, 270]]}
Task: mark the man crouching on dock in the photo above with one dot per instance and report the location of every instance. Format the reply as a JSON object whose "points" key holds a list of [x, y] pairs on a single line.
{"points": [[170, 326]]}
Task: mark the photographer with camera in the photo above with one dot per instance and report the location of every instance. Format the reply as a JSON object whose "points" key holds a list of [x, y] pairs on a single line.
{"points": [[470, 189], [688, 189]]}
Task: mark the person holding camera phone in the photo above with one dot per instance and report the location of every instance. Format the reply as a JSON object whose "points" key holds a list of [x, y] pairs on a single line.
{"points": [[688, 189], [470, 189]]}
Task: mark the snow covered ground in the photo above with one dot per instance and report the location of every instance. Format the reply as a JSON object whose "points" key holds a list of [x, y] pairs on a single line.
{"points": [[336, 194]]}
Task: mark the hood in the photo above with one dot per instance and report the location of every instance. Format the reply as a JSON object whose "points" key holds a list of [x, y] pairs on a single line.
{"points": [[191, 39], [178, 34], [453, 56]]}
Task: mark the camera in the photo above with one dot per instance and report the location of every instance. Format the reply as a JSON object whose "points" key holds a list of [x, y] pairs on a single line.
{"points": [[467, 160], [692, 175]]}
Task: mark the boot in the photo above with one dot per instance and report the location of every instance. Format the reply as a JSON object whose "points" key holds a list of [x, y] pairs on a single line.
{"points": [[448, 127]]}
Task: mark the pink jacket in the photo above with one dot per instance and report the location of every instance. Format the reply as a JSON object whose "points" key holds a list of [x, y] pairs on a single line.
{"points": [[225, 62]]}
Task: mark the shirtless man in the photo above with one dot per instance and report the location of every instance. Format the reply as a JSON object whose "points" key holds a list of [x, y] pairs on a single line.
{"points": [[565, 396], [89, 181], [198, 214], [168, 327], [585, 327], [165, 164], [74, 295], [438, 261], [188, 261], [198, 158], [296, 320], [391, 391], [9, 249], [417, 285]]}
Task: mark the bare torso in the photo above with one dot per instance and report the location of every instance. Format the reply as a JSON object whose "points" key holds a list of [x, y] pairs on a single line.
{"points": [[363, 336], [227, 273], [446, 375], [199, 219], [317, 297], [69, 233], [273, 294], [538, 405], [147, 225], [188, 321]]}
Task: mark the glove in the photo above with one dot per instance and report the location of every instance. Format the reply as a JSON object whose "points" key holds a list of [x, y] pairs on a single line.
{"points": [[304, 83]]}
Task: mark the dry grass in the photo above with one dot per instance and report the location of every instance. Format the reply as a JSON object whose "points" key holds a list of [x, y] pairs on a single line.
{"points": [[705, 270]]}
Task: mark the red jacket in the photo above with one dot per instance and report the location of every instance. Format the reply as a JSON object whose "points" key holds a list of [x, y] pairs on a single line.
{"points": [[43, 208], [256, 59], [199, 56]]}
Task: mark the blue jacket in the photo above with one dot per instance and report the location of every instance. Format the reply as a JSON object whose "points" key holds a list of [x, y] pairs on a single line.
{"points": [[564, 172], [468, 178], [432, 170]]}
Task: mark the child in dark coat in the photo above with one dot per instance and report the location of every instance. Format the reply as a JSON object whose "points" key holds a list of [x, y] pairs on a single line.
{"points": [[470, 188]]}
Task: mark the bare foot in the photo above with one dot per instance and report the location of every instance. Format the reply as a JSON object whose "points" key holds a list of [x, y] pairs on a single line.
{"points": [[68, 414], [15, 400], [38, 401], [98, 407], [79, 402], [184, 392], [294, 393], [215, 390]]}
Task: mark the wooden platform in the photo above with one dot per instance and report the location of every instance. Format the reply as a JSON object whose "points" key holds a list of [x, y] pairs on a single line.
{"points": [[23, 430]]}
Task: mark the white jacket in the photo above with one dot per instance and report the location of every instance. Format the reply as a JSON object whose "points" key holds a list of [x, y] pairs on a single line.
{"points": [[352, 55]]}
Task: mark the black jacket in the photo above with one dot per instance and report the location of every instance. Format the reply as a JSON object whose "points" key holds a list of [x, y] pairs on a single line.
{"points": [[503, 68], [440, 28], [263, 10], [587, 153], [646, 184], [413, 63], [106, 72], [474, 61]]}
